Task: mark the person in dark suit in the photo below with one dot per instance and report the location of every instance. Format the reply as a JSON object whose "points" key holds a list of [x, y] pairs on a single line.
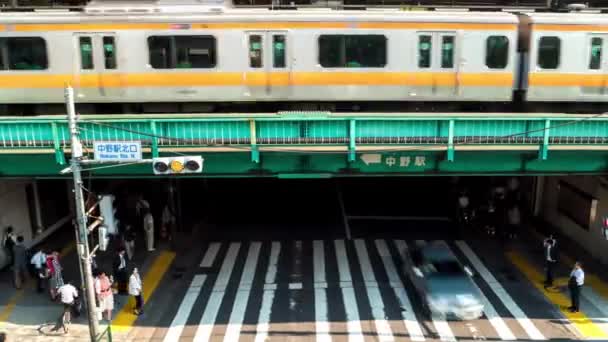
{"points": [[120, 271], [550, 254]]}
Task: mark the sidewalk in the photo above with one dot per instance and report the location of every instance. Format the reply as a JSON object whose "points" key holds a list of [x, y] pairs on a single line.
{"points": [[29, 316], [527, 256]]}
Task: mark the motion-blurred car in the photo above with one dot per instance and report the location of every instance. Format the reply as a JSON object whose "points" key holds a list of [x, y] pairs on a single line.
{"points": [[445, 286]]}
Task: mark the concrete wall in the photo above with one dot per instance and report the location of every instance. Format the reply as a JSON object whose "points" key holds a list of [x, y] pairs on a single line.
{"points": [[14, 211], [592, 240]]}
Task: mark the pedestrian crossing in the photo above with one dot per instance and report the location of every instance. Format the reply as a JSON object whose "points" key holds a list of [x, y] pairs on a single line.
{"points": [[324, 291]]}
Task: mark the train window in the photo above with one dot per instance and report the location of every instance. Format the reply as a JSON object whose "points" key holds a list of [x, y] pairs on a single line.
{"points": [[255, 51], [447, 51], [497, 52], [109, 52], [595, 54], [86, 53], [195, 52], [182, 52], [352, 51], [278, 51], [424, 51], [23, 53], [548, 52]]}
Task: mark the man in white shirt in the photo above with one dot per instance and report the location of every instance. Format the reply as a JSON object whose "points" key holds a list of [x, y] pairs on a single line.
{"points": [[149, 230], [575, 284], [39, 262], [68, 294]]}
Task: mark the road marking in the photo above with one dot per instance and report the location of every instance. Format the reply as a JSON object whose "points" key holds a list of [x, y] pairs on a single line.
{"points": [[180, 319], [579, 320], [353, 322], [408, 316], [318, 262], [235, 323], [204, 329], [263, 325], [125, 318], [497, 322], [343, 267], [383, 329], [210, 255], [501, 293], [271, 272], [321, 315], [441, 326]]}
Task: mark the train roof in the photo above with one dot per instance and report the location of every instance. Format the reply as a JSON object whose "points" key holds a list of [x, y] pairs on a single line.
{"points": [[248, 15], [576, 18]]}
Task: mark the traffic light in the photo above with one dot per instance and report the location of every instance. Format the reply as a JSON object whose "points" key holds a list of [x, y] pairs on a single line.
{"points": [[177, 165], [108, 213]]}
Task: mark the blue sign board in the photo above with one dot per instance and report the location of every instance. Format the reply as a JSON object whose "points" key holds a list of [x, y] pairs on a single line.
{"points": [[117, 151]]}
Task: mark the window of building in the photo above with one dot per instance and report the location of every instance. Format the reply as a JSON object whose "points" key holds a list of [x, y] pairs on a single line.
{"points": [[182, 52], [497, 52], [425, 46], [352, 51], [256, 51], [109, 52], [23, 53], [548, 52], [447, 52], [86, 53], [595, 53], [279, 51]]}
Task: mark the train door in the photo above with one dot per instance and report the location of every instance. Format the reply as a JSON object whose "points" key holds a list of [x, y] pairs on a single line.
{"points": [[268, 74], [96, 73], [597, 63], [437, 65]]}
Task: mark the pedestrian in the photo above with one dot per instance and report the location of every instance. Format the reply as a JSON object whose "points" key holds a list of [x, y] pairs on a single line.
{"points": [[141, 206], [575, 285], [513, 221], [129, 237], [149, 230], [120, 271], [8, 242], [39, 262], [68, 295], [55, 274], [135, 290], [168, 223], [549, 247], [105, 297], [20, 264]]}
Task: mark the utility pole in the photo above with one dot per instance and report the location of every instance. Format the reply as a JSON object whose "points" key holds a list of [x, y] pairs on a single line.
{"points": [[81, 217]]}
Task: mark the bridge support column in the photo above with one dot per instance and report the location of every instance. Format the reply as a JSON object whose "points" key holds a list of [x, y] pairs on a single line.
{"points": [[352, 142], [451, 141]]}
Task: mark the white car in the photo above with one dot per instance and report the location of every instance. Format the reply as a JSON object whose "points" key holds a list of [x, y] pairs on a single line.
{"points": [[445, 286]]}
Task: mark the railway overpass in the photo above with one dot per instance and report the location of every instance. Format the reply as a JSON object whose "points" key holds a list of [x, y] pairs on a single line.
{"points": [[320, 144]]}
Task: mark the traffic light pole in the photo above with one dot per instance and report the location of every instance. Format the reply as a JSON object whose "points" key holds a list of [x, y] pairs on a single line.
{"points": [[81, 218]]}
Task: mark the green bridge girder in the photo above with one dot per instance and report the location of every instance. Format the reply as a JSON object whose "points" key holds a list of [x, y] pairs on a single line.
{"points": [[320, 144]]}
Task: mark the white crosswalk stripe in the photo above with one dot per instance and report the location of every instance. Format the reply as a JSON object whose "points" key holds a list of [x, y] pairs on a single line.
{"points": [[233, 330], [353, 323], [348, 272], [322, 326], [268, 296], [383, 328], [204, 329]]}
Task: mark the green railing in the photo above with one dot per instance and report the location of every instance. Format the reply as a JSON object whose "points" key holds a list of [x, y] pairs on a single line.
{"points": [[307, 129]]}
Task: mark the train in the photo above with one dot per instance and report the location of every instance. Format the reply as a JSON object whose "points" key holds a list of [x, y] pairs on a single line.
{"points": [[217, 58]]}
